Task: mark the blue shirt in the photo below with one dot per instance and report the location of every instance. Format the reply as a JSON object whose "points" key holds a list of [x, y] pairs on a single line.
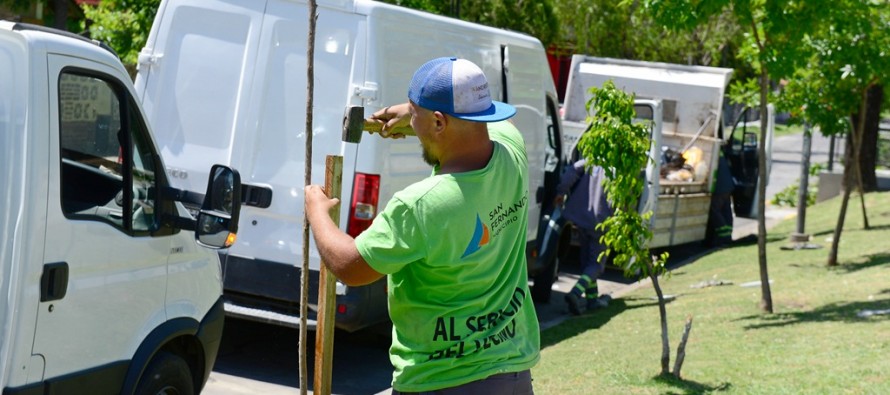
{"points": [[586, 205]]}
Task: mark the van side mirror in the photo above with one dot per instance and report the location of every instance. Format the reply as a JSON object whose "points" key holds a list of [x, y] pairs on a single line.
{"points": [[217, 223]]}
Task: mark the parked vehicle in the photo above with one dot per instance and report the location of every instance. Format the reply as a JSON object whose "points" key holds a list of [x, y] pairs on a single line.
{"points": [[103, 289], [226, 81], [684, 106]]}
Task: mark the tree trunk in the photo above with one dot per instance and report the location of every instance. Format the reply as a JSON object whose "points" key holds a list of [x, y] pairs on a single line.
{"points": [[836, 239], [766, 295], [847, 182], [304, 273], [662, 311], [856, 135], [803, 191], [60, 13], [868, 154]]}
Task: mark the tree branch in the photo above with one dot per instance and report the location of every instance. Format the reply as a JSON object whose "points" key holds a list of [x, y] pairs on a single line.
{"points": [[681, 349]]}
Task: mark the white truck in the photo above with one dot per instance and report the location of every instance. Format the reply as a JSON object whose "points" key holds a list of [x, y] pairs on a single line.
{"points": [[102, 288], [685, 107], [225, 81]]}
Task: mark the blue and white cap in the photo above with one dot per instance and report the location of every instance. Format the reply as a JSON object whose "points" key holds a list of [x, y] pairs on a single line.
{"points": [[456, 87]]}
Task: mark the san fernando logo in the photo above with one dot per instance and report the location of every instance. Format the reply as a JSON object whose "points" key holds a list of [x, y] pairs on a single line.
{"points": [[480, 238]]}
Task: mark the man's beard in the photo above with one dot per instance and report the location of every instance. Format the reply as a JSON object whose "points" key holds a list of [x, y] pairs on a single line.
{"points": [[427, 157]]}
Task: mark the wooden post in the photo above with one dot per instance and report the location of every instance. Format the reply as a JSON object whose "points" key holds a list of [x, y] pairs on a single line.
{"points": [[327, 298], [681, 349]]}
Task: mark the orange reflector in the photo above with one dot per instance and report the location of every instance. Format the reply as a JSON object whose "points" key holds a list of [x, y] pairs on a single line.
{"points": [[230, 239]]}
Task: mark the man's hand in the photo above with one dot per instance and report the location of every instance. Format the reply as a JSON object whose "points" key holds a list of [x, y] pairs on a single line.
{"points": [[317, 203], [394, 121], [336, 249]]}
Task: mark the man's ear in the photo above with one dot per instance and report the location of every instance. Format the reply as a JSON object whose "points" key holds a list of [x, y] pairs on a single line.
{"points": [[441, 120]]}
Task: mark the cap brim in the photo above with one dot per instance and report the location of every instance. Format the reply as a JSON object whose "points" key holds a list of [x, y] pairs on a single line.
{"points": [[498, 111]]}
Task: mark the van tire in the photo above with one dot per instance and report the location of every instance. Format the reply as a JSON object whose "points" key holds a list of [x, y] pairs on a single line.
{"points": [[544, 281], [166, 374], [545, 278]]}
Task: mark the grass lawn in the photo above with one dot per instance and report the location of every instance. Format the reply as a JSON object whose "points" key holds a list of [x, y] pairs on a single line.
{"points": [[814, 343], [784, 130]]}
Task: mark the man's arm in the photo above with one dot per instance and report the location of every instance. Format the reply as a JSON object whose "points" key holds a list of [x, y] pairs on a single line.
{"points": [[567, 180], [336, 248]]}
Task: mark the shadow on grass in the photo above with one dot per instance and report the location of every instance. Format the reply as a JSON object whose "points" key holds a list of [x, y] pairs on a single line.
{"points": [[869, 262], [591, 320], [688, 387], [750, 240], [873, 260], [826, 232], [830, 232], [834, 312], [878, 227], [776, 237], [745, 241]]}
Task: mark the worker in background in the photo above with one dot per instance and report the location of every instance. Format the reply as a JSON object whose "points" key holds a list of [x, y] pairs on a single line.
{"points": [[719, 230], [585, 207]]}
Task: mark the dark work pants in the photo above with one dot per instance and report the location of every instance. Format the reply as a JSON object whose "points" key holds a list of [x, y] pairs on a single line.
{"points": [[591, 267], [518, 383]]}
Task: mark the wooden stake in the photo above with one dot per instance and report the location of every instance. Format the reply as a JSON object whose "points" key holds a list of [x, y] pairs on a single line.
{"points": [[327, 298], [681, 349]]}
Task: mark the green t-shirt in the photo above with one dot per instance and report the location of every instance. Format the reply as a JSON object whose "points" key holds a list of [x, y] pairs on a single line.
{"points": [[453, 246]]}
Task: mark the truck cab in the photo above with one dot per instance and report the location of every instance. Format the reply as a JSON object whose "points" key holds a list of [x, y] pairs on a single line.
{"points": [[108, 283]]}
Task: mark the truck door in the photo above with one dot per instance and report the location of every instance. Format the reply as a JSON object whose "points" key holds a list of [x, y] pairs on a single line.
{"points": [[743, 155], [104, 276], [651, 111]]}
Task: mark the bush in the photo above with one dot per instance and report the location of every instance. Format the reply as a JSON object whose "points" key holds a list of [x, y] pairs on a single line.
{"points": [[788, 196]]}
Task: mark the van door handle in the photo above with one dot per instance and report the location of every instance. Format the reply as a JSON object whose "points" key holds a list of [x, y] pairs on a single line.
{"points": [[54, 281]]}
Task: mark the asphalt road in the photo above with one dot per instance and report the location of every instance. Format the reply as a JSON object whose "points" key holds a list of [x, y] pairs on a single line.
{"points": [[264, 359]]}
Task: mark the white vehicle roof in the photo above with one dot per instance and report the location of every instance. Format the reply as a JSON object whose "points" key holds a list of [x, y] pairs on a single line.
{"points": [[690, 94], [55, 41]]}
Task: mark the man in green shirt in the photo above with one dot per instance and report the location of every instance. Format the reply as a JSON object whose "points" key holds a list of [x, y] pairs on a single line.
{"points": [[452, 245]]}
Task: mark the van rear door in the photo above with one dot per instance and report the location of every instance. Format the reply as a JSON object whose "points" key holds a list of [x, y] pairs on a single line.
{"points": [[195, 74], [524, 71], [225, 82]]}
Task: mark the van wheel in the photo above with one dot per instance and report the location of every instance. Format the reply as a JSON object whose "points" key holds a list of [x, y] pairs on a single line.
{"points": [[166, 374], [544, 281], [545, 278]]}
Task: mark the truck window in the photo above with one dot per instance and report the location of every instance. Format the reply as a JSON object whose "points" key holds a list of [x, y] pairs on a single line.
{"points": [[107, 159]]}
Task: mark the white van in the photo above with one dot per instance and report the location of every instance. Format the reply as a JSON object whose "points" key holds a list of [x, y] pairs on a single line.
{"points": [[225, 81], [101, 289]]}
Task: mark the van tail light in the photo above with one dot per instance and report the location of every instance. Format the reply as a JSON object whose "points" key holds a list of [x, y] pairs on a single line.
{"points": [[363, 208]]}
